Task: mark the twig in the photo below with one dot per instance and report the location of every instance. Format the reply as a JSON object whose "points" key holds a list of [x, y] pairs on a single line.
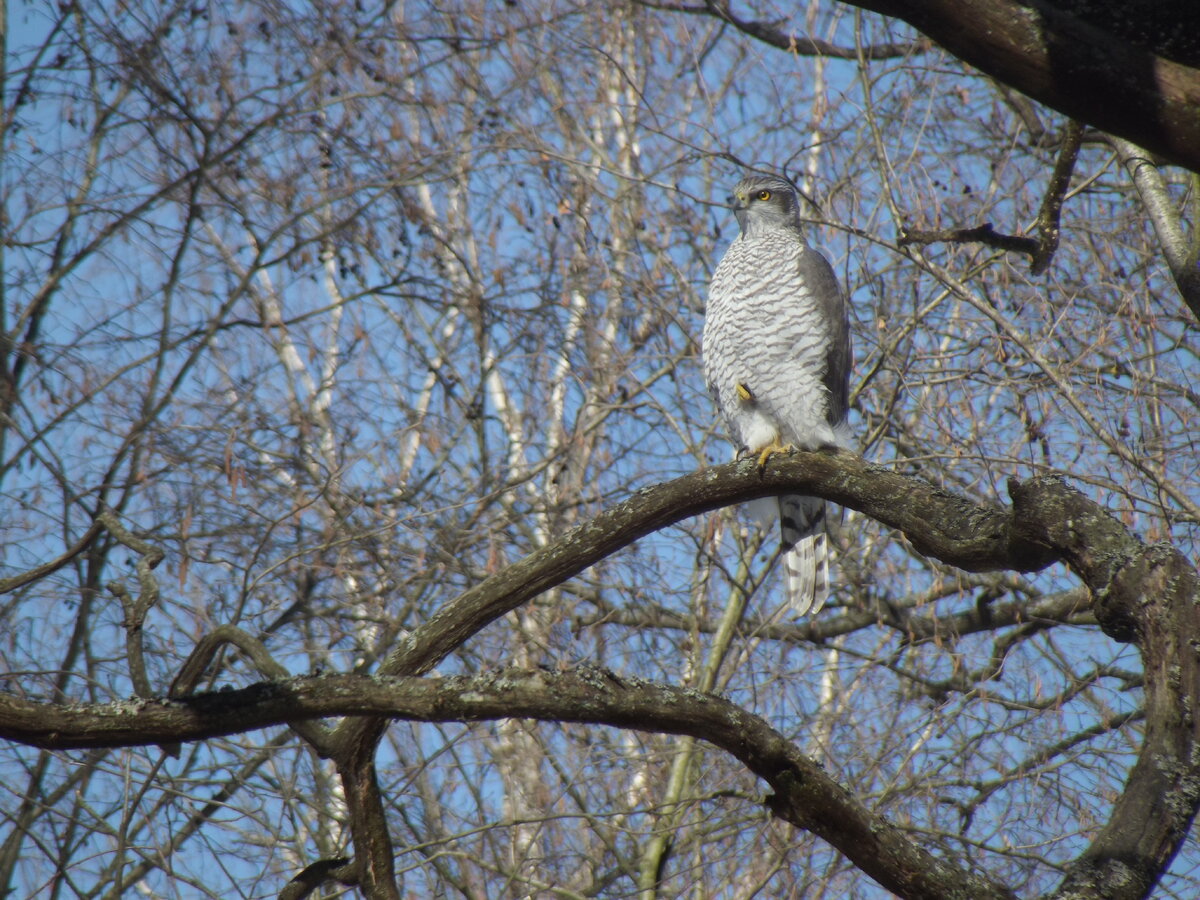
{"points": [[340, 869], [980, 234], [1056, 191], [771, 33]]}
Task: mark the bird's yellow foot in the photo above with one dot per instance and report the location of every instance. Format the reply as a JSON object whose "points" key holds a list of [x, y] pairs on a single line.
{"points": [[744, 393], [773, 447]]}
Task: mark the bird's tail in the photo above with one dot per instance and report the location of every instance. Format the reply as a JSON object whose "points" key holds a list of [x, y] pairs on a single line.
{"points": [[805, 552]]}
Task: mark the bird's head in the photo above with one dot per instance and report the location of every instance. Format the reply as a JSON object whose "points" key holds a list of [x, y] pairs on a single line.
{"points": [[763, 201]]}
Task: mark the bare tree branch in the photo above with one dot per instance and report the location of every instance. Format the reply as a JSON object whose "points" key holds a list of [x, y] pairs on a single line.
{"points": [[937, 523], [206, 651], [1069, 64], [15, 582], [804, 794], [1182, 255], [315, 874], [773, 34], [1040, 249], [1147, 594], [1050, 214], [979, 234]]}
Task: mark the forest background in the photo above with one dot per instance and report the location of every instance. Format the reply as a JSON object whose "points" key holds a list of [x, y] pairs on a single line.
{"points": [[364, 519]]}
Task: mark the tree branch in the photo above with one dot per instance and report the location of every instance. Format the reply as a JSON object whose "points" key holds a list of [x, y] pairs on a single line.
{"points": [[773, 34], [1040, 250], [979, 234], [14, 582], [310, 879], [1147, 594], [973, 537], [1058, 59], [804, 794], [1182, 254], [1050, 215], [205, 652], [1150, 594]]}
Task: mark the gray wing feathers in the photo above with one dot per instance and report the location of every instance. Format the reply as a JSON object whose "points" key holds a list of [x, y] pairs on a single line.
{"points": [[802, 519], [818, 275]]}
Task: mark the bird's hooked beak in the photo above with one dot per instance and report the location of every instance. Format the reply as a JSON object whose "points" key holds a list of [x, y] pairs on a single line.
{"points": [[740, 202]]}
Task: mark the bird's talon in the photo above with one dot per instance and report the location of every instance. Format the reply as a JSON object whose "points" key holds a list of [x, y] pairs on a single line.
{"points": [[770, 449], [744, 393]]}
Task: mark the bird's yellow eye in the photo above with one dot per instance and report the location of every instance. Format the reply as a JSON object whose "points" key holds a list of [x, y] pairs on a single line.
{"points": [[764, 195]]}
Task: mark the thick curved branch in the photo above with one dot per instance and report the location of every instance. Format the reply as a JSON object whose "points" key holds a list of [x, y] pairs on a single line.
{"points": [[1057, 58], [803, 794], [1150, 594], [1146, 594], [205, 652], [973, 537], [340, 869], [936, 522]]}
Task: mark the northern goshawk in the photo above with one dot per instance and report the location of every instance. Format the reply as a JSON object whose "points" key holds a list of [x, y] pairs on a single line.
{"points": [[777, 360]]}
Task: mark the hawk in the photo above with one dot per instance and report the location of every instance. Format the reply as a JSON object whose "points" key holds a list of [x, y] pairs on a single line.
{"points": [[777, 361]]}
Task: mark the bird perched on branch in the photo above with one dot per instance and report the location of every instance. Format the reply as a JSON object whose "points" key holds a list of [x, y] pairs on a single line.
{"points": [[777, 360]]}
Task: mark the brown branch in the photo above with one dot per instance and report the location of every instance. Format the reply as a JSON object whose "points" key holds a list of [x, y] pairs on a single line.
{"points": [[373, 850], [971, 536], [804, 794], [1150, 594], [14, 582], [938, 523], [980, 234], [339, 869], [1087, 72], [205, 652], [1050, 215], [1142, 90], [1065, 607], [1147, 594], [135, 610], [773, 34], [1040, 250]]}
